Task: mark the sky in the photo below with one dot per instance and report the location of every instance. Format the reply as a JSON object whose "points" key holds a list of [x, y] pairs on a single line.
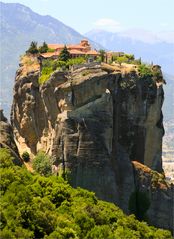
{"points": [[111, 15]]}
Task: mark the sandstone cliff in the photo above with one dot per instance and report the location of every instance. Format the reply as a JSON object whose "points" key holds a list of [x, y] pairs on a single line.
{"points": [[93, 121], [7, 138]]}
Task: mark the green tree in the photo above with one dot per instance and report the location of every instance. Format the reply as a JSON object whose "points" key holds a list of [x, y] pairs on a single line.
{"points": [[122, 59], [42, 164], [33, 48], [102, 54], [26, 156], [43, 48], [130, 57], [64, 54]]}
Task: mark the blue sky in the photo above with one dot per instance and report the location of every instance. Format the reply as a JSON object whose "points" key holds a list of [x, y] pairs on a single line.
{"points": [[113, 15]]}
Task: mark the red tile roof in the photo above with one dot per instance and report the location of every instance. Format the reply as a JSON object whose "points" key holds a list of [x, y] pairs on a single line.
{"points": [[75, 46], [61, 46], [92, 52], [74, 51]]}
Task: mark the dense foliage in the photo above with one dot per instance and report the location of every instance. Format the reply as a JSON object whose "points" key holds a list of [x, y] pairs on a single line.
{"points": [[34, 206], [126, 58], [145, 70], [49, 66]]}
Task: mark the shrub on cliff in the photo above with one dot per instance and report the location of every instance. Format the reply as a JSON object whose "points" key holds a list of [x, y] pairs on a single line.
{"points": [[26, 156], [42, 164], [145, 70], [76, 61], [48, 67]]}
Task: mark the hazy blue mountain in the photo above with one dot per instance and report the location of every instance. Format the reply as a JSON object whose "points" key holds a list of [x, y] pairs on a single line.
{"points": [[19, 26], [160, 52]]}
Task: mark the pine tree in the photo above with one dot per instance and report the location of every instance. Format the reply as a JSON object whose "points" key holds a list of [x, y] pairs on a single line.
{"points": [[64, 54], [43, 48], [33, 48]]}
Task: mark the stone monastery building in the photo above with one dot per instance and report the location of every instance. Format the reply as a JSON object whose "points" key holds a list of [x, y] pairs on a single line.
{"points": [[77, 50]]}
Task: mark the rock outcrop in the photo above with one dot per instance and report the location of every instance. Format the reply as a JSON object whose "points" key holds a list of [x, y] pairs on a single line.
{"points": [[159, 193], [7, 138], [93, 122]]}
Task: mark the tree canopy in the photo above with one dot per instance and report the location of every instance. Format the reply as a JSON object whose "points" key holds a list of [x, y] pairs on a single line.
{"points": [[34, 206]]}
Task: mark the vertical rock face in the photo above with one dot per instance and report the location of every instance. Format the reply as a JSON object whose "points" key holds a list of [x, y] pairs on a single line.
{"points": [[7, 138], [140, 120], [93, 122], [160, 193]]}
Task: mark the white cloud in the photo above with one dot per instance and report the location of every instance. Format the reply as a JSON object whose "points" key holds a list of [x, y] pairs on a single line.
{"points": [[108, 24]]}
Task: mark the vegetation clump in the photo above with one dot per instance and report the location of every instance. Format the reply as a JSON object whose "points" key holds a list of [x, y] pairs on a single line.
{"points": [[50, 65], [26, 156], [145, 70], [42, 164], [35, 206], [158, 180], [43, 48], [126, 58], [33, 48]]}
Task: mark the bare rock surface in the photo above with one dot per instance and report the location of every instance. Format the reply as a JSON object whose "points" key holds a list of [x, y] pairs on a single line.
{"points": [[7, 138]]}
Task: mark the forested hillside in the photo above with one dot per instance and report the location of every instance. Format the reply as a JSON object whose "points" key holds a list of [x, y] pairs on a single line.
{"points": [[34, 206]]}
